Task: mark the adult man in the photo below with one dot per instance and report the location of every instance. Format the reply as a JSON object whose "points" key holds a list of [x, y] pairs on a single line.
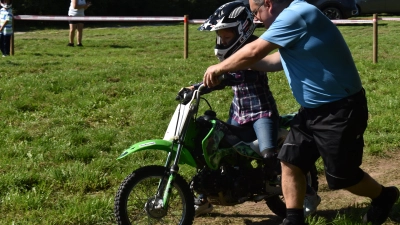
{"points": [[333, 114]]}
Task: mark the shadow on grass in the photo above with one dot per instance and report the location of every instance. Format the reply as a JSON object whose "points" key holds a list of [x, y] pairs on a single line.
{"points": [[120, 46], [267, 219], [356, 212], [273, 221], [349, 215]]}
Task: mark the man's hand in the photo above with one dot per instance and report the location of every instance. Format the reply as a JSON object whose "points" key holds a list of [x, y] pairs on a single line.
{"points": [[210, 78]]}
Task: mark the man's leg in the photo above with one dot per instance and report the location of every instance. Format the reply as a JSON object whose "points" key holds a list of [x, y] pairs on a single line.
{"points": [[383, 199], [294, 190], [367, 187]]}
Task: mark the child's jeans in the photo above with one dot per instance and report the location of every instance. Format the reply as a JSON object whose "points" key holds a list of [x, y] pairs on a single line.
{"points": [[5, 44]]}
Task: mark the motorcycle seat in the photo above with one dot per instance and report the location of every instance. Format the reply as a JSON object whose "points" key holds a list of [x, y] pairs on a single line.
{"points": [[242, 132]]}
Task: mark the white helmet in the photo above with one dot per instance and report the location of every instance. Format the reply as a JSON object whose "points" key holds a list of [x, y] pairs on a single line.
{"points": [[230, 15]]}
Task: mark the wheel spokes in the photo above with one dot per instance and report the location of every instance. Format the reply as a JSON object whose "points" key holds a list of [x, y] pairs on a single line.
{"points": [[144, 207]]}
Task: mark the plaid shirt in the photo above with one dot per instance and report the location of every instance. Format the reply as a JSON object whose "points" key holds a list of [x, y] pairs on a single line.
{"points": [[252, 98]]}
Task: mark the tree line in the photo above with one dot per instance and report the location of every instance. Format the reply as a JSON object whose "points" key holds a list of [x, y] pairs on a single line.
{"points": [[196, 9]]}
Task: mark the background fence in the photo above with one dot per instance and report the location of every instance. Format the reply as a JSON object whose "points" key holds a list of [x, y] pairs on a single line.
{"points": [[185, 19]]}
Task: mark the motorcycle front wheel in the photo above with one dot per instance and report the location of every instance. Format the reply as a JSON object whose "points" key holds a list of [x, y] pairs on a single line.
{"points": [[137, 201]]}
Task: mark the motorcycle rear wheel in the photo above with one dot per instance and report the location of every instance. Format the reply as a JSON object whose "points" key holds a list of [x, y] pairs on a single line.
{"points": [[136, 201], [277, 203]]}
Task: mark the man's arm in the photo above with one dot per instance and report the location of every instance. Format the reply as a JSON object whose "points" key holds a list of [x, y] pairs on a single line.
{"points": [[243, 59], [270, 63]]}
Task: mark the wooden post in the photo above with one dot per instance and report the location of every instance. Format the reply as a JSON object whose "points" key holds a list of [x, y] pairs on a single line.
{"points": [[375, 39], [12, 39], [186, 36]]}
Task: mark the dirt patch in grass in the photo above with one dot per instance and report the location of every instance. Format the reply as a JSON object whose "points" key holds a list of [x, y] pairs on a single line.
{"points": [[386, 170]]}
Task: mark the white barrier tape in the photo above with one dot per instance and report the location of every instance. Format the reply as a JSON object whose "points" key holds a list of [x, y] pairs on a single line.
{"points": [[197, 21], [351, 21], [95, 18], [388, 18], [159, 18]]}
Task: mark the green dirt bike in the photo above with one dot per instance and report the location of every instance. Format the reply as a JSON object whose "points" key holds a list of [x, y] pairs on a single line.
{"points": [[230, 170]]}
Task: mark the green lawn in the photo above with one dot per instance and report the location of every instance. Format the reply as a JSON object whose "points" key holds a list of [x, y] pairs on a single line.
{"points": [[67, 113]]}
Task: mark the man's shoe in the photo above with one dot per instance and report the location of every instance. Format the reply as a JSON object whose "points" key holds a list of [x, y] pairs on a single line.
{"points": [[379, 211], [311, 203], [287, 222], [79, 45], [70, 44], [202, 209]]}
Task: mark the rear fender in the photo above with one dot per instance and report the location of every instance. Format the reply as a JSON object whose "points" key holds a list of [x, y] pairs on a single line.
{"points": [[158, 144]]}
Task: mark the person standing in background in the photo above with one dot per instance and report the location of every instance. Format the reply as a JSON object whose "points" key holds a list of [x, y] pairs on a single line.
{"points": [[6, 28], [77, 8]]}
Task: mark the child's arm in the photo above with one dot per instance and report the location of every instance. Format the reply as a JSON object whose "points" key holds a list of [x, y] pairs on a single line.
{"points": [[3, 25]]}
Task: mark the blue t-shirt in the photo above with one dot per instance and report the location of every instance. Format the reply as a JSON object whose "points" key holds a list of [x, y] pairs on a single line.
{"points": [[316, 59]]}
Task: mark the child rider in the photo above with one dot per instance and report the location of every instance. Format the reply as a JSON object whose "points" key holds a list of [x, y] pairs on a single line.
{"points": [[253, 105]]}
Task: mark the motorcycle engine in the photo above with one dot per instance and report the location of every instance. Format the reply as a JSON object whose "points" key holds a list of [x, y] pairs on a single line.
{"points": [[228, 185]]}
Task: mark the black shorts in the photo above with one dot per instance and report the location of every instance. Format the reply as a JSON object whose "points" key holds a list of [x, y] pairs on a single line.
{"points": [[74, 22], [333, 131]]}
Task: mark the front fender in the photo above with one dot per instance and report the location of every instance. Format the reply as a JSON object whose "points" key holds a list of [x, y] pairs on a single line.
{"points": [[158, 144]]}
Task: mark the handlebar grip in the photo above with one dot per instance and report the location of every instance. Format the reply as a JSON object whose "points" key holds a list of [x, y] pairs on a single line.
{"points": [[220, 78]]}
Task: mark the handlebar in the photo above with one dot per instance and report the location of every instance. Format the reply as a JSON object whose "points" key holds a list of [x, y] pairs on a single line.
{"points": [[185, 94], [223, 77]]}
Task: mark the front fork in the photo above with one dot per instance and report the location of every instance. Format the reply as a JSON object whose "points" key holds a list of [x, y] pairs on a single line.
{"points": [[168, 186], [174, 169], [167, 191]]}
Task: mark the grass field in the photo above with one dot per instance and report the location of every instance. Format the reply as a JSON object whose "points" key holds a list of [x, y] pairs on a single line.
{"points": [[67, 113]]}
